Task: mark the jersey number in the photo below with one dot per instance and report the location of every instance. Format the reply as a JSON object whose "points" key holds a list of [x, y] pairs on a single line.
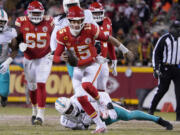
{"points": [[36, 40], [83, 51]]}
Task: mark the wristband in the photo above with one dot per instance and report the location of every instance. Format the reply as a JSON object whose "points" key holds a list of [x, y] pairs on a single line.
{"points": [[9, 60], [123, 48]]}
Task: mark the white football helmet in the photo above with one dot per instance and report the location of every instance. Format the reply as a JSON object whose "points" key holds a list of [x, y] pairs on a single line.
{"points": [[68, 3], [62, 104], [3, 19]]}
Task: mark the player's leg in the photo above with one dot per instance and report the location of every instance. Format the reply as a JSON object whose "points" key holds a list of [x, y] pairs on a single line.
{"points": [[4, 89], [101, 86], [81, 95], [126, 115], [43, 69], [29, 73]]}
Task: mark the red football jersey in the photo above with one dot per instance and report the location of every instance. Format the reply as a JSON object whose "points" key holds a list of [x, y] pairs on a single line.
{"points": [[82, 45], [36, 36], [107, 47]]}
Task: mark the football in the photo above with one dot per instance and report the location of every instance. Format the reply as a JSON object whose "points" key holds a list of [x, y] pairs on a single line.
{"points": [[72, 59]]}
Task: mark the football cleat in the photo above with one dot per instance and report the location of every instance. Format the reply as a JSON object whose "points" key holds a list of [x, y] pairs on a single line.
{"points": [[99, 130], [165, 123], [4, 101], [38, 121], [33, 119]]}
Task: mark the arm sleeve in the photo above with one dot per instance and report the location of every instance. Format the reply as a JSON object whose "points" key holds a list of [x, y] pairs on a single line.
{"points": [[158, 53], [111, 51], [59, 49], [53, 42]]}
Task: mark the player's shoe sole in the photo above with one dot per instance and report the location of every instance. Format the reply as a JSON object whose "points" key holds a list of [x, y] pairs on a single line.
{"points": [[38, 121]]}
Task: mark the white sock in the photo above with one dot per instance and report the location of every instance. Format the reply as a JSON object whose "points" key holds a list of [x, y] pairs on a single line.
{"points": [[97, 120], [40, 113], [34, 110]]}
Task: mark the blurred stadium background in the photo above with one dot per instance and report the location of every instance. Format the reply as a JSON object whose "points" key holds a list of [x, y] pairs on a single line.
{"points": [[136, 23]]}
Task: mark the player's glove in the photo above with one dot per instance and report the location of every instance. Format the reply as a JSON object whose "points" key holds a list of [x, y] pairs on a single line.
{"points": [[101, 60], [23, 47], [113, 67], [5, 65]]}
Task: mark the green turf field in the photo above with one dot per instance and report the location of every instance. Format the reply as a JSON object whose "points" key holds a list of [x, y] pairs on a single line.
{"points": [[16, 121]]}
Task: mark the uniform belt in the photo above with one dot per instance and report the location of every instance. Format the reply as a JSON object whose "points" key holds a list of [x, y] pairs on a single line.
{"points": [[167, 64]]}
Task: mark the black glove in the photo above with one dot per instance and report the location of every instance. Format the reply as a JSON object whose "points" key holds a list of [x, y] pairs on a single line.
{"points": [[157, 73]]}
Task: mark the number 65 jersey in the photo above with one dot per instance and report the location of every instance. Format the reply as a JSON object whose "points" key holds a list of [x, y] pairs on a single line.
{"points": [[37, 36]]}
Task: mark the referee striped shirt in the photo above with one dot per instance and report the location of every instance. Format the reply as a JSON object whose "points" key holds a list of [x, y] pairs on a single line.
{"points": [[167, 51]]}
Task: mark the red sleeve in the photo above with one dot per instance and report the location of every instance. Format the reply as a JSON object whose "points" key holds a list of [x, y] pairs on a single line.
{"points": [[111, 49], [19, 21], [99, 34], [60, 47]]}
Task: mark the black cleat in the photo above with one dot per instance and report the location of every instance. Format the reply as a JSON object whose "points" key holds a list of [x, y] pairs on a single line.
{"points": [[165, 123], [38, 121], [33, 119], [3, 101]]}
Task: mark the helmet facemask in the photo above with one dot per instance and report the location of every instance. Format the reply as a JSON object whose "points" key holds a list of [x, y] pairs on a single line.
{"points": [[3, 24], [72, 110], [35, 16], [98, 16], [3, 20]]}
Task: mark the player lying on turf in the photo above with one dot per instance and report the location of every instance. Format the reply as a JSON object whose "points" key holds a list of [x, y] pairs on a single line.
{"points": [[74, 117]]}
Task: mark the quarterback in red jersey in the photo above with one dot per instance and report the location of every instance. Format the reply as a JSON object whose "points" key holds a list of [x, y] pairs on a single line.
{"points": [[80, 38], [102, 49], [34, 31]]}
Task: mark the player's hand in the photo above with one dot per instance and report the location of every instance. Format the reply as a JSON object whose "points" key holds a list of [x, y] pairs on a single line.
{"points": [[5, 65], [113, 67], [112, 114], [64, 56], [23, 47], [157, 73], [50, 55], [101, 60], [129, 55]]}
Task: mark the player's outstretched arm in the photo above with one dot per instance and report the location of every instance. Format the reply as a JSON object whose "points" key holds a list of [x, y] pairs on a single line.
{"points": [[127, 53]]}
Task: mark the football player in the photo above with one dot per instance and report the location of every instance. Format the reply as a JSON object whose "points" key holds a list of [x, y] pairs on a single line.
{"points": [[61, 21], [34, 31], [79, 37], [8, 40], [102, 49], [74, 117]]}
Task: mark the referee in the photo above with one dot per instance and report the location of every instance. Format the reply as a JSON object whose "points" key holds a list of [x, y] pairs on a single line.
{"points": [[166, 61]]}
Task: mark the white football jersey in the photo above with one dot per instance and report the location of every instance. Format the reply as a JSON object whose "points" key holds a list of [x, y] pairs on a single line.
{"points": [[77, 122], [5, 38], [61, 23]]}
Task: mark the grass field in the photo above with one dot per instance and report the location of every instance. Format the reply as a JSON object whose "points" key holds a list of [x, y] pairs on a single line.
{"points": [[16, 121]]}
